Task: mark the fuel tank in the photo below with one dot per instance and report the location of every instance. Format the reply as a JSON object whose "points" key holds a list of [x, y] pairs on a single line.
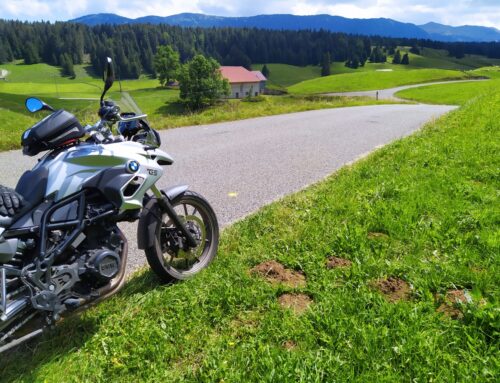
{"points": [[126, 169]]}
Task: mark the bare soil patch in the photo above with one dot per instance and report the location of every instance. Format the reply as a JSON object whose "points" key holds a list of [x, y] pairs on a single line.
{"points": [[450, 302], [289, 345], [394, 289], [275, 272], [336, 262], [296, 302]]}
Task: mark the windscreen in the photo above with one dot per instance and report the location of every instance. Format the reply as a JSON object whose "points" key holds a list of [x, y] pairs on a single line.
{"points": [[127, 104]]}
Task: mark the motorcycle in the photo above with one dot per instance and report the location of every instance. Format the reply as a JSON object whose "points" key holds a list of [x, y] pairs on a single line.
{"points": [[61, 249]]}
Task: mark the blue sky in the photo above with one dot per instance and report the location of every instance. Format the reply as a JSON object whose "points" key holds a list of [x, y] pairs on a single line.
{"points": [[452, 12]]}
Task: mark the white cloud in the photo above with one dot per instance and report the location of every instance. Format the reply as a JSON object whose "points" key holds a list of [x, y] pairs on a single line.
{"points": [[453, 12]]}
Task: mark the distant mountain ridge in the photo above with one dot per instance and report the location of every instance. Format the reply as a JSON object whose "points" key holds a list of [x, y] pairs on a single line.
{"points": [[461, 33], [379, 26]]}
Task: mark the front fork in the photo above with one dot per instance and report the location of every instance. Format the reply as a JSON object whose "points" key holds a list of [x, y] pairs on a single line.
{"points": [[168, 209]]}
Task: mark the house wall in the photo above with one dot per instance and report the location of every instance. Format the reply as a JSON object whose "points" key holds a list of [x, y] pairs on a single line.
{"points": [[242, 90]]}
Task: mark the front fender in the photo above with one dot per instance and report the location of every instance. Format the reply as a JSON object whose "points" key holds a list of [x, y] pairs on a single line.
{"points": [[175, 191], [151, 217]]}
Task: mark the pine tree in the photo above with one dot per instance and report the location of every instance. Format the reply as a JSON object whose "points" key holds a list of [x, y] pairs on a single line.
{"points": [[377, 56], [265, 71], [325, 65], [237, 57], [67, 68], [405, 60], [415, 50], [353, 62], [30, 54], [397, 58], [3, 54]]}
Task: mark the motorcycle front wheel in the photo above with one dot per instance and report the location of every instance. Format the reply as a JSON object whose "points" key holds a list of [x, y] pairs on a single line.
{"points": [[167, 257]]}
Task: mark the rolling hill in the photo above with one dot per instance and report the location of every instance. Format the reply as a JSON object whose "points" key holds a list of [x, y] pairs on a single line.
{"points": [[378, 26]]}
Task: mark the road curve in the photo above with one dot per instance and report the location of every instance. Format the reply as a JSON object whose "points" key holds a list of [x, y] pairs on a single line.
{"points": [[389, 94], [242, 165]]}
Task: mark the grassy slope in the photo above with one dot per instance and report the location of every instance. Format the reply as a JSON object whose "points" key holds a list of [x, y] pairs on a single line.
{"points": [[435, 196], [286, 75], [372, 80], [435, 58], [454, 94]]}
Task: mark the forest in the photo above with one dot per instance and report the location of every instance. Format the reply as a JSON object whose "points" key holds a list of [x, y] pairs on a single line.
{"points": [[133, 46]]}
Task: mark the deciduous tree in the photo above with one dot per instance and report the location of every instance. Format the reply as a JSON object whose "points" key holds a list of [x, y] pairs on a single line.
{"points": [[201, 82], [166, 63]]}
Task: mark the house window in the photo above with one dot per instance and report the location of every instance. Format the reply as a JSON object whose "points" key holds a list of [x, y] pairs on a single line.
{"points": [[246, 94], [256, 93], [237, 95]]}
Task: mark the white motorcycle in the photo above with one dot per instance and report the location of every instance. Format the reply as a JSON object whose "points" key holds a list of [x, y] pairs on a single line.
{"points": [[60, 247]]}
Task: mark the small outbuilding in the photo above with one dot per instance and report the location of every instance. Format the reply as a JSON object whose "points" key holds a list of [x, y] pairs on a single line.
{"points": [[243, 82]]}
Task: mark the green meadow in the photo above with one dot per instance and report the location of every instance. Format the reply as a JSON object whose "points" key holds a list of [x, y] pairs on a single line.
{"points": [[454, 94], [410, 234]]}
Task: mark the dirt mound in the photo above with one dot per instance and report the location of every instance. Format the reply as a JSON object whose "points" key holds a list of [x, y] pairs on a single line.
{"points": [[296, 302], [336, 262], [275, 272], [289, 345], [450, 303], [394, 289]]}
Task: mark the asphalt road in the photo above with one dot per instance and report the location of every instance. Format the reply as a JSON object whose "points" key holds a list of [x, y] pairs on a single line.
{"points": [[241, 166], [389, 94]]}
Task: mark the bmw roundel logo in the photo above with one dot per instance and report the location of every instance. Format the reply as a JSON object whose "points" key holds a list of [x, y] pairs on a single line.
{"points": [[133, 166]]}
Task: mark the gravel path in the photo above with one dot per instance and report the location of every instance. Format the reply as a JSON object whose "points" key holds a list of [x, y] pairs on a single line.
{"points": [[241, 166], [389, 94]]}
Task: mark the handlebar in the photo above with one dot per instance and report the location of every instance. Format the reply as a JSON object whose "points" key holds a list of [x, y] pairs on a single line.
{"points": [[132, 118], [101, 130]]}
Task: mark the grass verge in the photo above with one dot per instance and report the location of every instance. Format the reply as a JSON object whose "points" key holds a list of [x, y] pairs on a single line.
{"points": [[422, 212], [173, 115], [449, 94]]}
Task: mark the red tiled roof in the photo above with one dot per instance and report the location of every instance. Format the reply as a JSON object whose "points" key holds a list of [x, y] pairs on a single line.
{"points": [[259, 75], [238, 74]]}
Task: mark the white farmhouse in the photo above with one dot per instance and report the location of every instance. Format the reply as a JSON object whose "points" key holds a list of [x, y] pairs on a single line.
{"points": [[243, 82]]}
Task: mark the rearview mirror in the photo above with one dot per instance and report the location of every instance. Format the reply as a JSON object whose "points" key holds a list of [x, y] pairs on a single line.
{"points": [[35, 105], [108, 76]]}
